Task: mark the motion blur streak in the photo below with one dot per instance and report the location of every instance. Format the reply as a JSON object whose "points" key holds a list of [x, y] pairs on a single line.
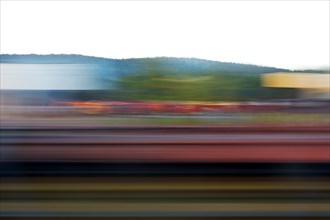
{"points": [[197, 171], [157, 146]]}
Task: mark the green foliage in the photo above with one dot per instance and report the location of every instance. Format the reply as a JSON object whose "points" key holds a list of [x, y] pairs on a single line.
{"points": [[214, 86], [166, 78]]}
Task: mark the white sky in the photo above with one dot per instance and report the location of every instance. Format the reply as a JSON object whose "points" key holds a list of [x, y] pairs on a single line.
{"points": [[288, 34]]}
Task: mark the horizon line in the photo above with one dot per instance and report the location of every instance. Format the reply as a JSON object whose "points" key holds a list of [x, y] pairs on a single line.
{"points": [[320, 68]]}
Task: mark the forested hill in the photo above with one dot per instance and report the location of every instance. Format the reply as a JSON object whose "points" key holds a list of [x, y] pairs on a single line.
{"points": [[168, 78], [171, 65]]}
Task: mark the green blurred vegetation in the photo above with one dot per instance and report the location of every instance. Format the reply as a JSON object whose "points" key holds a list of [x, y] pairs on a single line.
{"points": [[167, 78], [214, 86]]}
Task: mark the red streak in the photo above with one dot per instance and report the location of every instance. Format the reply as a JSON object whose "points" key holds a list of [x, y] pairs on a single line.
{"points": [[177, 153]]}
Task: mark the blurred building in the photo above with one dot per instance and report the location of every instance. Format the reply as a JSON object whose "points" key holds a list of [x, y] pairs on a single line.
{"points": [[37, 84], [311, 85]]}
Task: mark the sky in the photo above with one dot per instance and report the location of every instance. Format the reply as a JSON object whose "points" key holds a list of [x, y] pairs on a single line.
{"points": [[284, 34]]}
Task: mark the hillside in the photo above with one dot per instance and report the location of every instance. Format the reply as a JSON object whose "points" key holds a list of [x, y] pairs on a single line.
{"points": [[117, 67], [167, 78]]}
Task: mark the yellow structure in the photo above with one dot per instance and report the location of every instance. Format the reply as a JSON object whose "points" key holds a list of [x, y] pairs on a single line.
{"points": [[312, 84]]}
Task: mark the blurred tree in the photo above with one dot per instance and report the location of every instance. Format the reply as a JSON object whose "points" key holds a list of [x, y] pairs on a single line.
{"points": [[161, 85]]}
